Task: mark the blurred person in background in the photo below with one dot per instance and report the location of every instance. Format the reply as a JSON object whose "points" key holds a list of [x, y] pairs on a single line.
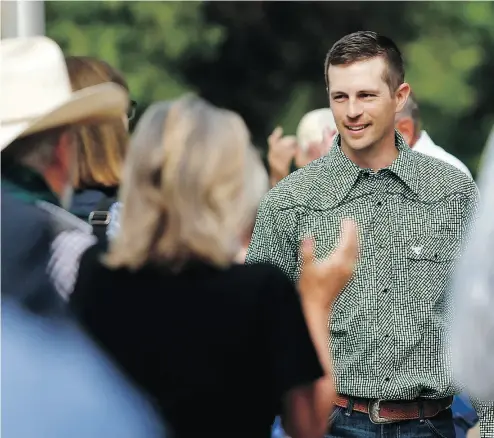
{"points": [[473, 323], [390, 324], [113, 225], [56, 384], [315, 133], [210, 340], [409, 125], [38, 157], [25, 260], [101, 148], [115, 209]]}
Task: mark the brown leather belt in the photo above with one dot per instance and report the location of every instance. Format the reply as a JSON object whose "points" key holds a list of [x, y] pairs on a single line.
{"points": [[383, 411]]}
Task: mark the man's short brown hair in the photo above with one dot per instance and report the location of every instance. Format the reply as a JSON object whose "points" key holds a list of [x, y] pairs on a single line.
{"points": [[363, 45]]}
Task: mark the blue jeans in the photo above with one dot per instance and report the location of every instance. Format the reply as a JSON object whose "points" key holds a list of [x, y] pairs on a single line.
{"points": [[346, 424]]}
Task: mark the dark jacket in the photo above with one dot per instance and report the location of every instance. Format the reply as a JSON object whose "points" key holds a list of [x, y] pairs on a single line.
{"points": [[87, 200], [26, 239]]}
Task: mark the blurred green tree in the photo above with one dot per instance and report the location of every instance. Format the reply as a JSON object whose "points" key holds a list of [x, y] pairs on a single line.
{"points": [[270, 66], [145, 40], [265, 59], [450, 67]]}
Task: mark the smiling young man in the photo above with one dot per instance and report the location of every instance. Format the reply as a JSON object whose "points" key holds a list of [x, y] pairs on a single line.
{"points": [[389, 326]]}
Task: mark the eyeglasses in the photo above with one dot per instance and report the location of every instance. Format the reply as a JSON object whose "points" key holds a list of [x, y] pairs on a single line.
{"points": [[131, 112]]}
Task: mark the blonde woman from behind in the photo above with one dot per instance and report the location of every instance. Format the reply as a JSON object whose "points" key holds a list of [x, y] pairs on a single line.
{"points": [[210, 340]]}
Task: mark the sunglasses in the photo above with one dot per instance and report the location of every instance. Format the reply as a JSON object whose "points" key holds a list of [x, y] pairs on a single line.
{"points": [[131, 112]]}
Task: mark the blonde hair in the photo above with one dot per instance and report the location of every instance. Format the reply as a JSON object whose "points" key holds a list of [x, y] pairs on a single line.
{"points": [[192, 185], [101, 148]]}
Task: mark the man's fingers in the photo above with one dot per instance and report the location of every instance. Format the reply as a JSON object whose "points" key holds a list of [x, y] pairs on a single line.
{"points": [[307, 251], [348, 246]]}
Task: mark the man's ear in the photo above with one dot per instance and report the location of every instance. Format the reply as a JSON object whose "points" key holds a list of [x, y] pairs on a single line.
{"points": [[407, 129], [401, 95], [65, 154]]}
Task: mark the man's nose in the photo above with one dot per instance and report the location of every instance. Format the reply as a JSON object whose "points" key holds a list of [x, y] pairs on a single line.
{"points": [[354, 109]]}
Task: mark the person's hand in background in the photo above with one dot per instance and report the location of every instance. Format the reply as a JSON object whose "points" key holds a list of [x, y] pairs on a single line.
{"points": [[281, 153]]}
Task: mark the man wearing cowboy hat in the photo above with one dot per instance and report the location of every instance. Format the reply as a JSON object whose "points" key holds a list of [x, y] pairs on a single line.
{"points": [[37, 157]]}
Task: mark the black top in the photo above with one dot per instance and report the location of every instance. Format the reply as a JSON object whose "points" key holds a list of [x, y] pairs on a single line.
{"points": [[216, 349]]}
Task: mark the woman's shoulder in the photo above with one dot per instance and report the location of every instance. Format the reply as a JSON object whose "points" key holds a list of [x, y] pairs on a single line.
{"points": [[262, 275], [252, 278], [263, 269]]}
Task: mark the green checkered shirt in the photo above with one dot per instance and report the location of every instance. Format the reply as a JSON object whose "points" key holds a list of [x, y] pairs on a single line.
{"points": [[389, 325]]}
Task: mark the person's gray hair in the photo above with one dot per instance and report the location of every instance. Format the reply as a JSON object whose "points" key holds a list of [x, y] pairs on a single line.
{"points": [[312, 125], [36, 151], [411, 110]]}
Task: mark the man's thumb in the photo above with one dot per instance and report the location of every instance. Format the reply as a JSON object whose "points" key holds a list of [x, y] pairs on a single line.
{"points": [[349, 239], [307, 251]]}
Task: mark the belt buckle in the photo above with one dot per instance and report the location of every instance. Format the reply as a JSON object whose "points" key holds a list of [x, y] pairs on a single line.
{"points": [[374, 409]]}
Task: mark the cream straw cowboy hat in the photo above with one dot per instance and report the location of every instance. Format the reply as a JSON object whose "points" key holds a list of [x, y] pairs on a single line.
{"points": [[312, 125], [36, 94]]}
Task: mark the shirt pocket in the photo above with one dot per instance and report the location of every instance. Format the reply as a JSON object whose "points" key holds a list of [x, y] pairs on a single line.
{"points": [[431, 260]]}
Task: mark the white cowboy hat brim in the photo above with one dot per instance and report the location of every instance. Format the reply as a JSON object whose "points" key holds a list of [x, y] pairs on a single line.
{"points": [[89, 105]]}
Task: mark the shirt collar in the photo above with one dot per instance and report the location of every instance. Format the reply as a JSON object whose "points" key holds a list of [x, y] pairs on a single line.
{"points": [[405, 166], [27, 185], [347, 172]]}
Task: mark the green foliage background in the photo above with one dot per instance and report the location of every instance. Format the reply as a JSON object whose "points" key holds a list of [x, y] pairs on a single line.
{"points": [[265, 59]]}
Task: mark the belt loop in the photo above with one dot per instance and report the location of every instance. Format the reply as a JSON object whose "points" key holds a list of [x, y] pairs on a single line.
{"points": [[421, 411], [349, 406]]}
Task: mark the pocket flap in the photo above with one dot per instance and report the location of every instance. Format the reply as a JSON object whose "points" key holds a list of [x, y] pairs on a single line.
{"points": [[433, 248]]}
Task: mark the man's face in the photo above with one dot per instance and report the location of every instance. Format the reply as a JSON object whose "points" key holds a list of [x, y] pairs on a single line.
{"points": [[68, 164], [363, 106]]}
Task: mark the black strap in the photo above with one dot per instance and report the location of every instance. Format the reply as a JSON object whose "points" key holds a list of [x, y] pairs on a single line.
{"points": [[100, 218]]}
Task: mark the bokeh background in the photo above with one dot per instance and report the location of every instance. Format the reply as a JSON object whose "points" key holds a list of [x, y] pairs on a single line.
{"points": [[265, 59]]}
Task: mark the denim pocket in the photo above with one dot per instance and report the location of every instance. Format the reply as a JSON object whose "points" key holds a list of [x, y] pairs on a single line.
{"points": [[336, 411], [441, 428]]}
